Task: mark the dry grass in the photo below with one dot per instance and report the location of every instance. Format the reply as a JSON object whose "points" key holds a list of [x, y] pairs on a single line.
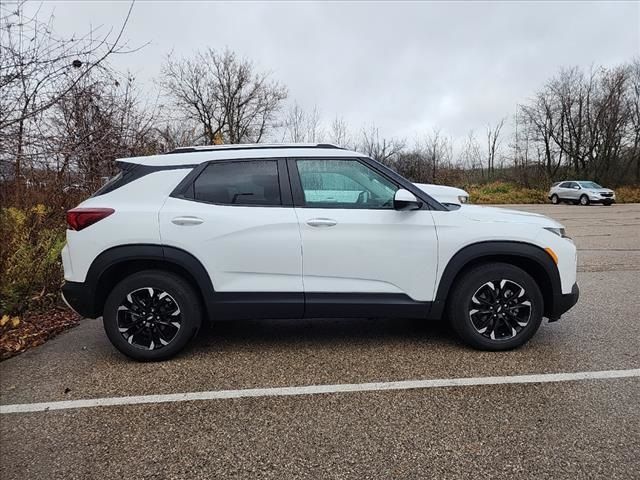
{"points": [[501, 193], [628, 194]]}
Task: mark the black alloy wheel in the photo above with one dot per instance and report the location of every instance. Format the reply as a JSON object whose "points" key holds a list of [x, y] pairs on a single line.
{"points": [[152, 315], [149, 318], [499, 310], [495, 306]]}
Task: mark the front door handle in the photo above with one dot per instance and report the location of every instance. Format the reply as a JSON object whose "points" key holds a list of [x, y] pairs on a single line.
{"points": [[187, 221], [321, 222]]}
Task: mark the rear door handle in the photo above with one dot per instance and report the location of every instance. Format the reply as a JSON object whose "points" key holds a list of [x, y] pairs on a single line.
{"points": [[321, 222], [187, 221]]}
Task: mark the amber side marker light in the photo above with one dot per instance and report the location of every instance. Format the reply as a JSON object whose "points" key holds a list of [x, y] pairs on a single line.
{"points": [[552, 254]]}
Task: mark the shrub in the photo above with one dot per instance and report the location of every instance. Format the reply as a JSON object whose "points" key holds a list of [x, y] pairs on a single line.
{"points": [[502, 193], [628, 194], [30, 258]]}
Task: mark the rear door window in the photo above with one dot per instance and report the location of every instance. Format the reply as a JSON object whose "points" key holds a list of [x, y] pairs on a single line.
{"points": [[252, 182]]}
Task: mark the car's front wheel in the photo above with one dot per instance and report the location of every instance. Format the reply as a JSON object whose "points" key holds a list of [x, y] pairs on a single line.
{"points": [[584, 200], [152, 315], [496, 307]]}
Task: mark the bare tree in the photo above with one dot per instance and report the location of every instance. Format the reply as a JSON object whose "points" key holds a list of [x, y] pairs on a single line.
{"points": [[584, 123], [381, 149], [633, 96], [38, 69], [224, 94], [95, 123], [439, 151], [493, 145], [294, 124], [544, 123], [339, 132], [314, 129], [300, 126], [172, 134], [471, 155]]}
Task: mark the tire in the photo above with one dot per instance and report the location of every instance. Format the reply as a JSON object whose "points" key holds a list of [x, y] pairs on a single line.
{"points": [[555, 199], [160, 295], [494, 331], [584, 200]]}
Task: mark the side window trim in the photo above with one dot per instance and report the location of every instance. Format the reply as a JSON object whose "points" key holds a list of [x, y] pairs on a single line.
{"points": [[429, 202], [185, 189], [298, 191]]}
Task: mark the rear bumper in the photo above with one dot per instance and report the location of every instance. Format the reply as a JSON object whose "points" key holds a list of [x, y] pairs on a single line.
{"points": [[563, 302], [80, 297]]}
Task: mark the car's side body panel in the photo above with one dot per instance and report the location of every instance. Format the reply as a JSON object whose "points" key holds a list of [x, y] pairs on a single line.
{"points": [[136, 220], [369, 251], [244, 249]]}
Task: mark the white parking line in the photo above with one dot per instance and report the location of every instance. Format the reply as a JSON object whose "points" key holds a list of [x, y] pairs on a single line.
{"points": [[318, 389]]}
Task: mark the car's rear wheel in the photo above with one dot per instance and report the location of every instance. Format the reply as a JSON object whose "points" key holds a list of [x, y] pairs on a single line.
{"points": [[555, 199], [152, 315], [584, 200], [496, 307]]}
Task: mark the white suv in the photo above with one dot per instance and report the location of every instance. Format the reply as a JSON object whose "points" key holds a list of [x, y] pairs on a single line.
{"points": [[299, 231], [580, 192]]}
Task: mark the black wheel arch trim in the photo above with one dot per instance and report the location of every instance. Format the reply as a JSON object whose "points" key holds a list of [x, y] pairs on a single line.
{"points": [[503, 251], [123, 254]]}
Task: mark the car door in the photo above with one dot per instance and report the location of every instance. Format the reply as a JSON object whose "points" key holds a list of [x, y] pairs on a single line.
{"points": [[573, 191], [564, 191], [356, 247], [237, 218]]}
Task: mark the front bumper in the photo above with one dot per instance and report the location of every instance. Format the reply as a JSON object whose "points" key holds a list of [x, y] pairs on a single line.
{"points": [[563, 302], [80, 298], [602, 200]]}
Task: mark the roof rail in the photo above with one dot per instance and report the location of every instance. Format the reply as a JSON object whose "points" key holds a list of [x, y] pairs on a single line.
{"points": [[251, 146]]}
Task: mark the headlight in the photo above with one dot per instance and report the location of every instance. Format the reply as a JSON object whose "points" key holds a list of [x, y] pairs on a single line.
{"points": [[463, 198], [558, 231]]}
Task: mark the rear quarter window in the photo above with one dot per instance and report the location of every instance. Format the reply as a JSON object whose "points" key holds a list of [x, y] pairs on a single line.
{"points": [[130, 172]]}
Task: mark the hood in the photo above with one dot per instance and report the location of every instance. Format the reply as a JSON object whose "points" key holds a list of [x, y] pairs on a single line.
{"points": [[494, 214], [442, 193], [599, 190]]}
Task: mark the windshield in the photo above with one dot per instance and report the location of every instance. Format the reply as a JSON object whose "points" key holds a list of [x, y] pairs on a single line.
{"points": [[589, 185]]}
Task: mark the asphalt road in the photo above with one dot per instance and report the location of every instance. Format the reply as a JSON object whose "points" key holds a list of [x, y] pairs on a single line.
{"points": [[579, 429]]}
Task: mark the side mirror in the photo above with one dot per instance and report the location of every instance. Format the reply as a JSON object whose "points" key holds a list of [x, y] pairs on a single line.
{"points": [[577, 187], [405, 200]]}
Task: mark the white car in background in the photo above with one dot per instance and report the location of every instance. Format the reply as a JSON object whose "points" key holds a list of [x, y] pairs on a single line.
{"points": [[445, 194]]}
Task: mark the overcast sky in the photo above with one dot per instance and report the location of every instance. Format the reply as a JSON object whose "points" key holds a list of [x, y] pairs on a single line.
{"points": [[405, 66]]}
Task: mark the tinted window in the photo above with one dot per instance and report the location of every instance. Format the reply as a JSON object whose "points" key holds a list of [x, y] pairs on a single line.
{"points": [[344, 184], [239, 183], [565, 185]]}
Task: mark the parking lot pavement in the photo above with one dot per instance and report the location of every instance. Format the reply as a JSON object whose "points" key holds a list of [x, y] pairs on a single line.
{"points": [[582, 429]]}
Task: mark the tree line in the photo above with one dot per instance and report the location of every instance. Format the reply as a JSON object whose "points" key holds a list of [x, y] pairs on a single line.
{"points": [[66, 114]]}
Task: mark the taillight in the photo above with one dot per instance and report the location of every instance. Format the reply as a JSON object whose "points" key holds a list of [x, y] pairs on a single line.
{"points": [[80, 218]]}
